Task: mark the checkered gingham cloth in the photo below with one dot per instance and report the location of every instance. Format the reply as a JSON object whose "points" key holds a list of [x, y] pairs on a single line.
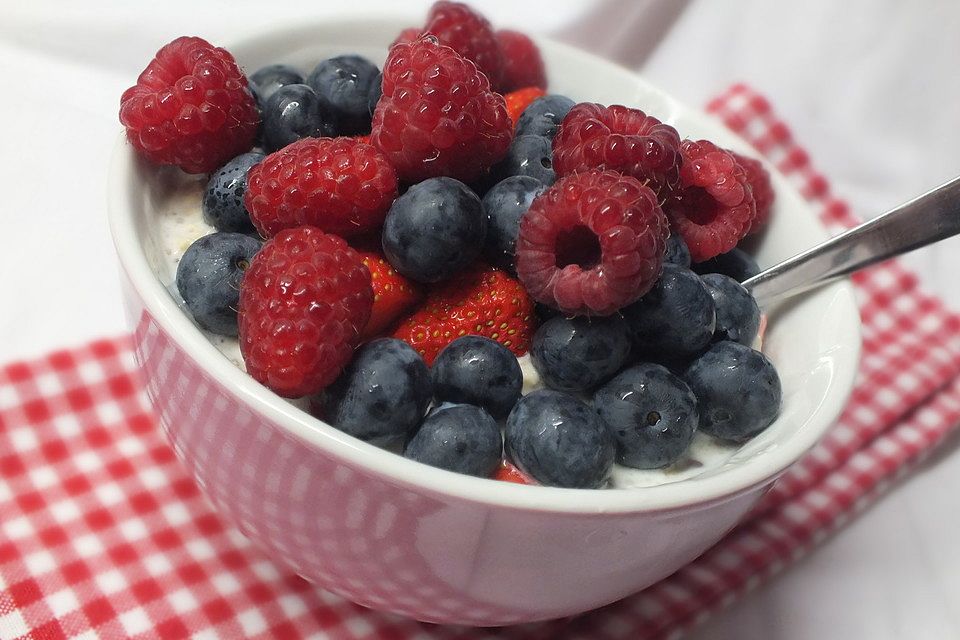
{"points": [[104, 535]]}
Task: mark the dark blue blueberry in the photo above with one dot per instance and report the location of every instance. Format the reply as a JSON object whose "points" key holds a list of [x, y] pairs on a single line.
{"points": [[543, 116], [528, 156], [577, 354], [736, 263], [479, 371], [266, 80], [382, 394], [343, 85], [738, 316], [208, 278], [458, 437], [294, 112], [651, 413], [376, 90], [559, 441], [677, 251], [738, 391], [503, 205], [675, 318], [434, 230], [223, 198]]}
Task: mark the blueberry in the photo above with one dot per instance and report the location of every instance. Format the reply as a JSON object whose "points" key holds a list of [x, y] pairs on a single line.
{"points": [[293, 112], [736, 263], [478, 371], [651, 413], [677, 251], [343, 85], [208, 278], [376, 90], [266, 80], [543, 116], [458, 437], [738, 391], [738, 316], [503, 206], [382, 394], [528, 156], [675, 318], [434, 230], [577, 354], [559, 441], [223, 198]]}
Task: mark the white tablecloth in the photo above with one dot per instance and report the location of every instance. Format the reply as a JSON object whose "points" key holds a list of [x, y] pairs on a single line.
{"points": [[870, 87]]}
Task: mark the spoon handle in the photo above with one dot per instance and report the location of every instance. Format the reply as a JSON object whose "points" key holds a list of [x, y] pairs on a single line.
{"points": [[924, 220]]}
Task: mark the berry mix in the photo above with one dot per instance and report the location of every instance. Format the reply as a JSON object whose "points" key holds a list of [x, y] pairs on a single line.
{"points": [[389, 243]]}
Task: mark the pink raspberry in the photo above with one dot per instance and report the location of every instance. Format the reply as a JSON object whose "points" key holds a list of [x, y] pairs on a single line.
{"points": [[592, 243], [592, 136], [714, 207]]}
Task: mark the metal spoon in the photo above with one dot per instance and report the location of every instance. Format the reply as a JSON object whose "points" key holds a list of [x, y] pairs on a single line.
{"points": [[924, 220]]}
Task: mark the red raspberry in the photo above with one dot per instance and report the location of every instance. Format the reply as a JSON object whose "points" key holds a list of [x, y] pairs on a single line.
{"points": [[190, 107], [437, 115], [592, 136], [407, 35], [340, 185], [592, 243], [303, 301], [522, 64], [762, 189], [713, 208], [468, 33]]}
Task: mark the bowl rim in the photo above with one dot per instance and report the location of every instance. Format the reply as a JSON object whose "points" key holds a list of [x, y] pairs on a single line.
{"points": [[396, 469]]}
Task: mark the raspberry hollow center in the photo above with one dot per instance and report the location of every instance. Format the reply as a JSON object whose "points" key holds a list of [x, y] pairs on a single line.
{"points": [[578, 245], [703, 207]]}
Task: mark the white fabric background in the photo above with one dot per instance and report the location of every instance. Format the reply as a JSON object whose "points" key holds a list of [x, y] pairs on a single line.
{"points": [[871, 87]]}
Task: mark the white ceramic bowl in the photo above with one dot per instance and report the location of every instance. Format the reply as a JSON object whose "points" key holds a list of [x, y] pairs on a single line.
{"points": [[396, 535]]}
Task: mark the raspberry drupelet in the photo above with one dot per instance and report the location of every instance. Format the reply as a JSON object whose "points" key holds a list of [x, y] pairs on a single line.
{"points": [[760, 186]]}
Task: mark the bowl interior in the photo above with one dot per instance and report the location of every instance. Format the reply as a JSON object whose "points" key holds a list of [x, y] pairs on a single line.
{"points": [[814, 341]]}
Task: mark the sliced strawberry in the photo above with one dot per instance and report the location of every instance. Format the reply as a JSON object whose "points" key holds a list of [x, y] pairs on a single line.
{"points": [[480, 301], [509, 473], [520, 99], [393, 295]]}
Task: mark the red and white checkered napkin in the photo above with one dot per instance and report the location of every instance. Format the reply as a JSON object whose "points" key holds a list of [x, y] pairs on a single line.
{"points": [[103, 534]]}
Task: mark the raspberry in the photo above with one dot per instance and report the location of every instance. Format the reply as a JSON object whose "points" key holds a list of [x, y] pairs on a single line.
{"points": [[437, 115], [340, 185], [713, 208], [592, 136], [592, 243], [760, 186], [407, 36], [190, 107], [468, 33], [303, 301], [522, 64]]}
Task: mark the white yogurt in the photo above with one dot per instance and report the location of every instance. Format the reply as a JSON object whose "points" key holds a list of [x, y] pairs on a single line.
{"points": [[182, 223]]}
